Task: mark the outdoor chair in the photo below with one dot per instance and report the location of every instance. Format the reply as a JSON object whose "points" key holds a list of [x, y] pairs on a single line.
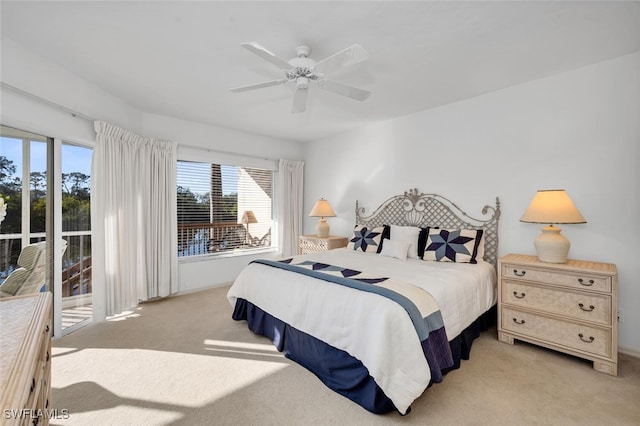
{"points": [[29, 277]]}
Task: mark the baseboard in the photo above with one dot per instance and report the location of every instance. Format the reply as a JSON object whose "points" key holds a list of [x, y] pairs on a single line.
{"points": [[199, 289], [631, 352]]}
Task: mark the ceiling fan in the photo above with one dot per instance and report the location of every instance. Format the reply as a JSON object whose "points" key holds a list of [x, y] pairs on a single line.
{"points": [[304, 71]]}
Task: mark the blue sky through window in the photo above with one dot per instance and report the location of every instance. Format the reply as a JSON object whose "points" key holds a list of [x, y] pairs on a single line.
{"points": [[75, 158]]}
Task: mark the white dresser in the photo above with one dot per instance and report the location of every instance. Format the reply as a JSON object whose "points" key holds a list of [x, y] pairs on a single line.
{"points": [[569, 307], [25, 359]]}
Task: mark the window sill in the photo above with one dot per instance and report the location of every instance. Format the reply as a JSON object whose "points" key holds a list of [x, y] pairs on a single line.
{"points": [[226, 255]]}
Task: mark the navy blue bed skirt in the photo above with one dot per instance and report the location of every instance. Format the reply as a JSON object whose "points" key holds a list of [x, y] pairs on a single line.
{"points": [[336, 368]]}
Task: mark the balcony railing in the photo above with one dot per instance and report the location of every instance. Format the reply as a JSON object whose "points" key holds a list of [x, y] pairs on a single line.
{"points": [[205, 238], [76, 279]]}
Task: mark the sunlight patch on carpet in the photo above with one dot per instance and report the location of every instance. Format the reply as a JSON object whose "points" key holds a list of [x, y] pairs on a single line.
{"points": [[124, 315], [155, 379]]}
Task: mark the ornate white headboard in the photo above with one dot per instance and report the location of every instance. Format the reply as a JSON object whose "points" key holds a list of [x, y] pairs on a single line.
{"points": [[416, 209]]}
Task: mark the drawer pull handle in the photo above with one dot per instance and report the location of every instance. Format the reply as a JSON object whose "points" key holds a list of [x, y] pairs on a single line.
{"points": [[586, 283], [518, 322], [591, 307], [521, 296], [519, 273], [589, 340]]}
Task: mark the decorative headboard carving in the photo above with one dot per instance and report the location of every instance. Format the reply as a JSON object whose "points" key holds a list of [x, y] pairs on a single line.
{"points": [[416, 209]]}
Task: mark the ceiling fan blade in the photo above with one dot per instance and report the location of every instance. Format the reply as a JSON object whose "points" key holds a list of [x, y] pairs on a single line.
{"points": [[344, 58], [344, 89], [257, 49], [300, 100], [259, 85]]}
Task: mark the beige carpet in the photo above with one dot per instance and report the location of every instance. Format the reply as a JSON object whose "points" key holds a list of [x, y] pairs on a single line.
{"points": [[184, 361]]}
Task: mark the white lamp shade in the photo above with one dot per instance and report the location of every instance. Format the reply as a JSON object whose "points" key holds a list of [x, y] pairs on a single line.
{"points": [[249, 217], [552, 206], [322, 209]]}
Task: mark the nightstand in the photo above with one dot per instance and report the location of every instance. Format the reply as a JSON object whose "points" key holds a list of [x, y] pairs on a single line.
{"points": [[569, 307], [308, 244]]}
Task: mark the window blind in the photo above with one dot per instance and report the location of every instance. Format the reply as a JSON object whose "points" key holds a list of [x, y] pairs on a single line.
{"points": [[223, 208]]}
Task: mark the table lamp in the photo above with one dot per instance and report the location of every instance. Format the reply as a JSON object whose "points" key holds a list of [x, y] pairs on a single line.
{"points": [[552, 206], [322, 209], [247, 218]]}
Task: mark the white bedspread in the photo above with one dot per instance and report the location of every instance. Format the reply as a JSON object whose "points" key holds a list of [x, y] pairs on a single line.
{"points": [[369, 327]]}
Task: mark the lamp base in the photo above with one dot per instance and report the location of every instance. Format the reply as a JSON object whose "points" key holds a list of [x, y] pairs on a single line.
{"points": [[322, 228], [551, 246]]}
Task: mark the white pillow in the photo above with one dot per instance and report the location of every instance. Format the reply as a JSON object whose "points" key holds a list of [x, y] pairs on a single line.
{"points": [[395, 248], [407, 233]]}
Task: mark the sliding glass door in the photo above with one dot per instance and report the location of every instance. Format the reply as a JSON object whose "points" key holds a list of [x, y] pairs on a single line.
{"points": [[45, 185]]}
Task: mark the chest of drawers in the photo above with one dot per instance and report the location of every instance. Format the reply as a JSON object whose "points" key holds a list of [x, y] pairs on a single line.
{"points": [[25, 362], [569, 307]]}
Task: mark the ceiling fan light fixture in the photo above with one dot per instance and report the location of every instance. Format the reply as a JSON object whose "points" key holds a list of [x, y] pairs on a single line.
{"points": [[302, 83]]}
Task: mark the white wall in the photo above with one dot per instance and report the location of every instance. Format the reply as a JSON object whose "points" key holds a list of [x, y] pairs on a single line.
{"points": [[579, 131]]}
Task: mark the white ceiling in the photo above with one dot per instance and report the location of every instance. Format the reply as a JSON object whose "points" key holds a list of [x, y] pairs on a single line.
{"points": [[180, 58]]}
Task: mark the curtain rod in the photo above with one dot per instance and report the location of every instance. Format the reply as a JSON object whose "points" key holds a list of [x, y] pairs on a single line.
{"points": [[222, 151], [47, 102], [91, 119]]}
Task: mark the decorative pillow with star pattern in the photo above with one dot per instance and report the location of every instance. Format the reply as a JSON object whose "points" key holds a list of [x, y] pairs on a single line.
{"points": [[367, 240], [453, 245]]}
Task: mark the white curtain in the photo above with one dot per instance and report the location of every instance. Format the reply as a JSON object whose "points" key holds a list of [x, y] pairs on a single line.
{"points": [[290, 191], [133, 215]]}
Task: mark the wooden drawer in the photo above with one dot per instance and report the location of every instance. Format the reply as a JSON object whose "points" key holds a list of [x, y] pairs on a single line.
{"points": [[580, 337], [590, 307], [584, 281]]}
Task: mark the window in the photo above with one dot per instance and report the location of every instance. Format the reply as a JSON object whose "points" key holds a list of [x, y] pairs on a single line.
{"points": [[222, 208]]}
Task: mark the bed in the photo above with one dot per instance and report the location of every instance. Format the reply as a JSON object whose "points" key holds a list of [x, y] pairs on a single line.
{"points": [[382, 319]]}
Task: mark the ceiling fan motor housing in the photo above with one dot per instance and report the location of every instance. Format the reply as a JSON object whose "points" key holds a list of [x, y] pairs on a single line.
{"points": [[303, 51], [302, 67]]}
